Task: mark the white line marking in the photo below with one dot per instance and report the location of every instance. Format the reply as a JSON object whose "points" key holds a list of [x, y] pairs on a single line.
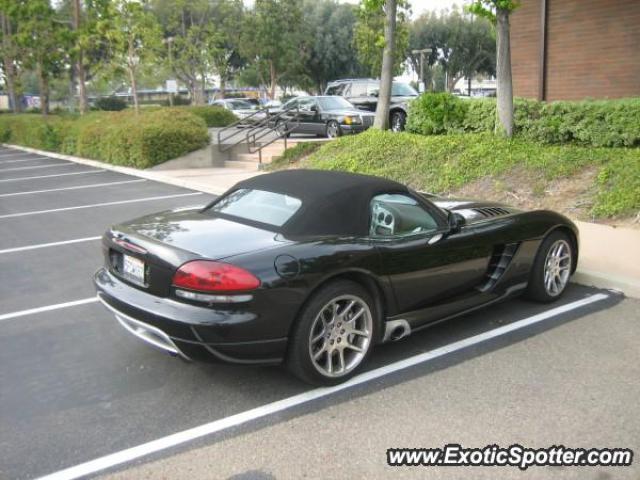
{"points": [[216, 426], [106, 204], [33, 167], [12, 153], [51, 244], [2, 162], [79, 187], [49, 176], [48, 308]]}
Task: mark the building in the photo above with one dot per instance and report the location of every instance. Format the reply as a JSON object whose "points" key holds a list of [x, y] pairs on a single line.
{"points": [[576, 49]]}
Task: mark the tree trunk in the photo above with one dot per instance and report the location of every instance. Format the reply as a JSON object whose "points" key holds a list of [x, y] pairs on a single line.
{"points": [[273, 81], [9, 66], [386, 76], [43, 83], [503, 71], [223, 85], [134, 89], [79, 66]]}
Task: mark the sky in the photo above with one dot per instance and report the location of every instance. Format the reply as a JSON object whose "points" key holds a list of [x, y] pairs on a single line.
{"points": [[419, 6]]}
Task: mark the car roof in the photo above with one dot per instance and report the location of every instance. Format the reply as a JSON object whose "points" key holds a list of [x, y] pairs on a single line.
{"points": [[333, 203]]}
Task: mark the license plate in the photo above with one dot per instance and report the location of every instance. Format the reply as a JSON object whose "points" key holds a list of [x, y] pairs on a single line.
{"points": [[133, 269]]}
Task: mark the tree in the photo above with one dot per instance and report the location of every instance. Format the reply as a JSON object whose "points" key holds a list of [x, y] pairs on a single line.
{"points": [[8, 10], [194, 41], [369, 36], [498, 11], [461, 44], [42, 41], [273, 39], [134, 38], [329, 28], [372, 10], [228, 18]]}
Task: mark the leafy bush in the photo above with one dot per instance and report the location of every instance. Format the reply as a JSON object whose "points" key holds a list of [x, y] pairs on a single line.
{"points": [[110, 104], [212, 115], [599, 123], [436, 113], [445, 163], [121, 138]]}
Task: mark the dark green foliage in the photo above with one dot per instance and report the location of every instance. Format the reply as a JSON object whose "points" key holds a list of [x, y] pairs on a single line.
{"points": [[436, 113], [599, 123], [121, 138], [212, 116], [110, 104]]}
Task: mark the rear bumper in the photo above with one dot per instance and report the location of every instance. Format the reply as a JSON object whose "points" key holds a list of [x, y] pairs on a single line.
{"points": [[185, 330]]}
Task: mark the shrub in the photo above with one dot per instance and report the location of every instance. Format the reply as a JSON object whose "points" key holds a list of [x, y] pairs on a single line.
{"points": [[213, 116], [110, 104], [121, 138], [599, 123], [436, 113], [178, 100]]}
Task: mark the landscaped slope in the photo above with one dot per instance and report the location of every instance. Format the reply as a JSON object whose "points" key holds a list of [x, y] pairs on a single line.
{"points": [[585, 182]]}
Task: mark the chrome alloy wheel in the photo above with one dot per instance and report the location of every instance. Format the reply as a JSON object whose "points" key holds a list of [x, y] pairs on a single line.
{"points": [[396, 122], [340, 335], [557, 268], [333, 130]]}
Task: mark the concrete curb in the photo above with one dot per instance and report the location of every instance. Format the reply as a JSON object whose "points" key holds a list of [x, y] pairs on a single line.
{"points": [[149, 175], [615, 267]]}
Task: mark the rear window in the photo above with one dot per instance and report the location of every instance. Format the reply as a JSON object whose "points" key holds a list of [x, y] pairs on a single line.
{"points": [[258, 206]]}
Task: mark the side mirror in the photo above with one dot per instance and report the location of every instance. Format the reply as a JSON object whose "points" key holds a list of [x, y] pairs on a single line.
{"points": [[456, 221], [313, 108]]}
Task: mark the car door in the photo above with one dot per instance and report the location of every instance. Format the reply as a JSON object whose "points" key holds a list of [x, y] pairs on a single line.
{"points": [[308, 111], [426, 261]]}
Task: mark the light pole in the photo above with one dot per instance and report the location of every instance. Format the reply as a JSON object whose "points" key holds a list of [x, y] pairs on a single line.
{"points": [[421, 62], [169, 42]]}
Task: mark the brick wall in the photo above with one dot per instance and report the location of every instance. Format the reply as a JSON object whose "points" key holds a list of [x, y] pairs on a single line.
{"points": [[593, 49]]}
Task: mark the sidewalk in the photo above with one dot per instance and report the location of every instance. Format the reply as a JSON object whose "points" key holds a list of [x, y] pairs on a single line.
{"points": [[609, 256]]}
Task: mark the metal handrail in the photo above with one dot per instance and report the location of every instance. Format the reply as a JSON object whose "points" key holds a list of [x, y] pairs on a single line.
{"points": [[263, 125], [236, 131]]}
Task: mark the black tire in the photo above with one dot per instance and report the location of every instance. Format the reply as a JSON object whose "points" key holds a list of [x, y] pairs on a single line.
{"points": [[536, 289], [332, 126], [397, 121], [299, 361]]}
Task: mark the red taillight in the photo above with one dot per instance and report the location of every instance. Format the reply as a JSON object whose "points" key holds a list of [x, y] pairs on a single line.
{"points": [[210, 276]]}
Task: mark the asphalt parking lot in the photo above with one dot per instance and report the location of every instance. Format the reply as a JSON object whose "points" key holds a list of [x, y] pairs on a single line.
{"points": [[74, 386]]}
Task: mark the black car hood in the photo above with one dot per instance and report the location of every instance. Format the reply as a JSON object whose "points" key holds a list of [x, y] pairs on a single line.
{"points": [[472, 210], [201, 233]]}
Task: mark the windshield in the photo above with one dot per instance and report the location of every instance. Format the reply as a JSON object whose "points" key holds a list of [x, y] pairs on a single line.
{"points": [[403, 90], [334, 103], [259, 206]]}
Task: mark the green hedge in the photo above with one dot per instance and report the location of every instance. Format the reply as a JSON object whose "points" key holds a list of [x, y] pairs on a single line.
{"points": [[598, 123], [213, 116], [121, 138]]}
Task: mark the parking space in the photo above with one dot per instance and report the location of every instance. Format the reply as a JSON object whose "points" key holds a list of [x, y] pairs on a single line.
{"points": [[74, 386]]}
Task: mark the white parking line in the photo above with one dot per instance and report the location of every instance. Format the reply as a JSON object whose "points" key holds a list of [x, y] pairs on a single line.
{"points": [[12, 153], [2, 162], [54, 175], [31, 311], [79, 187], [106, 204], [32, 167], [222, 424], [46, 245]]}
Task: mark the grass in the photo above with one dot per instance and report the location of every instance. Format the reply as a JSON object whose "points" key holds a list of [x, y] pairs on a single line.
{"points": [[445, 163], [294, 154]]}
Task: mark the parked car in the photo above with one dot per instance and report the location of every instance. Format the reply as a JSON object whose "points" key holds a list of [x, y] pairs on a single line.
{"points": [[324, 116], [363, 93], [241, 108], [314, 268]]}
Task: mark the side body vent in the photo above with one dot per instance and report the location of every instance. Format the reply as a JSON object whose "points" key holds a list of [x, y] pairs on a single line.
{"points": [[500, 260], [492, 211]]}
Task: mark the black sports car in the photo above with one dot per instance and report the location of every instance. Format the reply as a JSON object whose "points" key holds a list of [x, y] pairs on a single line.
{"points": [[314, 268]]}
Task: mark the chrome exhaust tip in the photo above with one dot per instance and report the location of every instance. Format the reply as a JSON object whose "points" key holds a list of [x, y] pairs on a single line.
{"points": [[395, 330]]}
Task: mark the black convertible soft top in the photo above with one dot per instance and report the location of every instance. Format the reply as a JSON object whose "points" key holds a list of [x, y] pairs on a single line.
{"points": [[333, 203]]}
